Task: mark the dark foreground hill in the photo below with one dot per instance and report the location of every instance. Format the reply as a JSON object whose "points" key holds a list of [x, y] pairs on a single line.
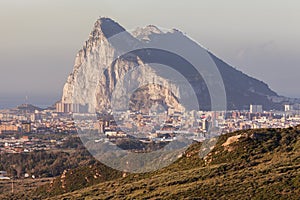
{"points": [[253, 164]]}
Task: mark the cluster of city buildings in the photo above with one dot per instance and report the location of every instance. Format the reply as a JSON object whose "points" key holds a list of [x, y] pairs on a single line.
{"points": [[20, 128], [35, 121], [196, 125], [16, 124], [24, 144]]}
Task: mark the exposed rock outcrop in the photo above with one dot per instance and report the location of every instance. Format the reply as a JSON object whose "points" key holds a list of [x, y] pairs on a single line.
{"points": [[99, 68]]}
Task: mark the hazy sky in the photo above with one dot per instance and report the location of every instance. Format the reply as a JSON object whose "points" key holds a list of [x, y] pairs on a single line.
{"points": [[40, 38]]}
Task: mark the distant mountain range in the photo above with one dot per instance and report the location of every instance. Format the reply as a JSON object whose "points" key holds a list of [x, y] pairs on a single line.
{"points": [[96, 73]]}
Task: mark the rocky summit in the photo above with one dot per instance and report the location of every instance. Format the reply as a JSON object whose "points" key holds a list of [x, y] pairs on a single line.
{"points": [[100, 66]]}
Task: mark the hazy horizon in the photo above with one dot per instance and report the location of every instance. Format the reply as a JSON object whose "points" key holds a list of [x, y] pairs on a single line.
{"points": [[40, 39]]}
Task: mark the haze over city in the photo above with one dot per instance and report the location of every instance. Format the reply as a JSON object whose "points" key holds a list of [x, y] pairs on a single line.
{"points": [[39, 39]]}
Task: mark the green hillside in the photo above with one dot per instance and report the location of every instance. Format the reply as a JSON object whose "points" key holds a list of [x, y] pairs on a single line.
{"points": [[253, 164]]}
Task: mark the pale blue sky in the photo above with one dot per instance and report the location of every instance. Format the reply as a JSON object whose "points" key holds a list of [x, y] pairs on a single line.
{"points": [[39, 38]]}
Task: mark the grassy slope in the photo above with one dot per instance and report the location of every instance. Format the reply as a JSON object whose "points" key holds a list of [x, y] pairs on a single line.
{"points": [[262, 164]]}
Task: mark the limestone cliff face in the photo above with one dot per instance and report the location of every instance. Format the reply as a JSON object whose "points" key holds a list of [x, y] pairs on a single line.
{"points": [[90, 63], [144, 34], [98, 70]]}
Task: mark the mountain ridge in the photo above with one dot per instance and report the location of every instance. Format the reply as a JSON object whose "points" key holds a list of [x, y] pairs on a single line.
{"points": [[97, 61]]}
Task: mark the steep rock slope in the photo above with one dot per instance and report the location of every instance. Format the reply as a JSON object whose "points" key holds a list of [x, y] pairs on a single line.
{"points": [[98, 69]]}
